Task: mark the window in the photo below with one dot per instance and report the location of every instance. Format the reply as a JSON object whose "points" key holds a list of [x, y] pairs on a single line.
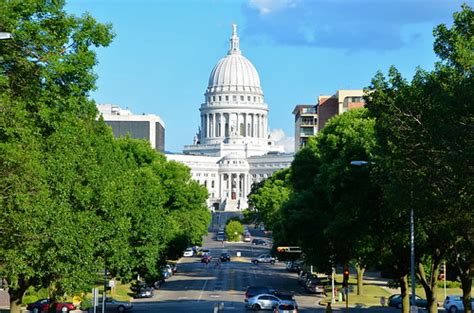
{"points": [[213, 98], [226, 98], [241, 98], [212, 184], [248, 98], [220, 98], [234, 98], [254, 99]]}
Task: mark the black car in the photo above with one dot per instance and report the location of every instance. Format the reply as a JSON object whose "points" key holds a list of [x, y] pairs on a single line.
{"points": [[225, 257], [294, 266], [253, 291], [144, 292], [259, 242]]}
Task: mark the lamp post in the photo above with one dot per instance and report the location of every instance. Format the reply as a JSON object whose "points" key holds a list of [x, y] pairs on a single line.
{"points": [[413, 307]]}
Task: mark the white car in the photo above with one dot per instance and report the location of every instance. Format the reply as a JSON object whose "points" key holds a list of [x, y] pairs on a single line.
{"points": [[188, 252], [453, 303]]}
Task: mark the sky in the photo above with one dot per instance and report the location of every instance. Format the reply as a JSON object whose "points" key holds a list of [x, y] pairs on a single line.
{"points": [[164, 50]]}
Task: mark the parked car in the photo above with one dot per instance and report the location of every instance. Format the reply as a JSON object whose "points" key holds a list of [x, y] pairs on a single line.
{"points": [[206, 258], [113, 305], [247, 237], [188, 252], [220, 236], [285, 306], [302, 278], [396, 301], [453, 303], [144, 292], [42, 305], [259, 242], [315, 285], [264, 301], [225, 257], [264, 258], [294, 266]]}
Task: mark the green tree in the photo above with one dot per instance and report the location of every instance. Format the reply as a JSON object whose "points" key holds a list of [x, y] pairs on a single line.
{"points": [[426, 147], [45, 77], [234, 230], [267, 198]]}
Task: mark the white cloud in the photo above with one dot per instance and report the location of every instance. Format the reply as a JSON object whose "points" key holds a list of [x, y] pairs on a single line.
{"points": [[280, 138], [268, 6]]}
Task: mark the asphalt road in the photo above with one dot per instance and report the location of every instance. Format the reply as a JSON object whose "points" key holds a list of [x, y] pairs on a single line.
{"points": [[198, 287]]}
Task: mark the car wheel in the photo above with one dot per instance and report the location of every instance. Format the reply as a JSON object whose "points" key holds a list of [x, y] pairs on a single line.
{"points": [[399, 305], [256, 307], [121, 308], [453, 309], [255, 262], [272, 262]]}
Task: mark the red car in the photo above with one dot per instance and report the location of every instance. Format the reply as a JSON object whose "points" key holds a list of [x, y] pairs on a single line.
{"points": [[42, 305], [206, 259]]}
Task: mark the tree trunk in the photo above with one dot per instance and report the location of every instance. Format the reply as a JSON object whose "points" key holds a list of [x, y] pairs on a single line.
{"points": [[430, 285], [404, 294], [360, 278], [466, 285], [15, 299]]}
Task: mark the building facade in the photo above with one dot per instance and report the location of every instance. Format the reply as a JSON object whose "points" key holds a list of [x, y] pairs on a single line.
{"points": [[123, 122], [340, 102], [232, 148], [306, 124]]}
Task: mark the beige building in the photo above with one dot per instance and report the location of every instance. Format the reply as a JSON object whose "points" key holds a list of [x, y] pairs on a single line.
{"points": [[310, 119], [338, 103], [306, 124]]}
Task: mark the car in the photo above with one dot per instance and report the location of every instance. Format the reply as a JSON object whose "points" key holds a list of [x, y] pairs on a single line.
{"points": [[220, 236], [264, 258], [113, 305], [206, 258], [188, 252], [259, 242], [42, 305], [252, 291], [225, 257], [247, 237], [144, 292], [285, 306], [303, 277], [453, 303], [264, 302], [396, 301], [294, 266], [315, 285]]}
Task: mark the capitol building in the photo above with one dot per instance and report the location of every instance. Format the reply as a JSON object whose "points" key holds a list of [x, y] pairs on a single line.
{"points": [[233, 148]]}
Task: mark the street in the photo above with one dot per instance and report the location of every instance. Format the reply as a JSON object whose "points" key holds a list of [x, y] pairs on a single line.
{"points": [[197, 287]]}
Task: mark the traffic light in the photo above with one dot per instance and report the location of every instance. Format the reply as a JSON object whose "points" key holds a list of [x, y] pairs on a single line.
{"points": [[345, 275]]}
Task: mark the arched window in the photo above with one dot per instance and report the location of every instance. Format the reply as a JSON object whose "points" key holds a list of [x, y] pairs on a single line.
{"points": [[212, 184], [205, 183]]}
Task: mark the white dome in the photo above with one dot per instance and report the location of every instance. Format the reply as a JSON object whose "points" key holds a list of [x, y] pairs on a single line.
{"points": [[234, 72]]}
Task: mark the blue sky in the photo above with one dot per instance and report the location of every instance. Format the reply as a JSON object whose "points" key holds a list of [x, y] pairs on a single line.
{"points": [[164, 51]]}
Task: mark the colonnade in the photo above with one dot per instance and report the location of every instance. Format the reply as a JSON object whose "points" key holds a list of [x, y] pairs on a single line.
{"points": [[234, 185], [225, 124]]}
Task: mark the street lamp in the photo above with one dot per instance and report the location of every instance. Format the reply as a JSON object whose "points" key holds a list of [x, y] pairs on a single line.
{"points": [[4, 35], [413, 307]]}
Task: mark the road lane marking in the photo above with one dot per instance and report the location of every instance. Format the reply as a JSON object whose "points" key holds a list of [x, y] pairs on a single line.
{"points": [[202, 290]]}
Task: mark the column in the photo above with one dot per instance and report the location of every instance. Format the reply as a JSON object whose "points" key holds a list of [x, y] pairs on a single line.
{"points": [[207, 125], [237, 186]]}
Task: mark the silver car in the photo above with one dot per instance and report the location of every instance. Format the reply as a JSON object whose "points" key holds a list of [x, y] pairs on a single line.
{"points": [[262, 302], [112, 305]]}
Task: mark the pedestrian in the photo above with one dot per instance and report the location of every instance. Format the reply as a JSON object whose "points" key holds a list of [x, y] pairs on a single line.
{"points": [[222, 242], [329, 308], [218, 263]]}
